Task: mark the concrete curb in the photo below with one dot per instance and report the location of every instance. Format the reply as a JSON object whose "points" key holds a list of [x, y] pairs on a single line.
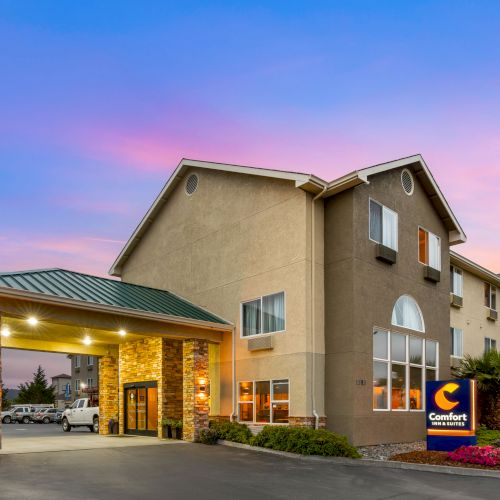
{"points": [[364, 462]]}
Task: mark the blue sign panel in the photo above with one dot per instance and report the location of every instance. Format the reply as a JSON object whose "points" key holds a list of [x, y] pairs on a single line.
{"points": [[451, 414]]}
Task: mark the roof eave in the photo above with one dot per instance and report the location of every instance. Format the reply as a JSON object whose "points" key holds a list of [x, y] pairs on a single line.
{"points": [[122, 311], [476, 269]]}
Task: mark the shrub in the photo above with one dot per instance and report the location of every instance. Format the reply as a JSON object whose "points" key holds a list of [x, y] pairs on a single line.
{"points": [[481, 455], [232, 431], [208, 436], [305, 441], [487, 436]]}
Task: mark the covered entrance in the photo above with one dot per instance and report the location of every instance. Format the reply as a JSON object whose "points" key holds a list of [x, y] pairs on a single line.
{"points": [[141, 408], [153, 347]]}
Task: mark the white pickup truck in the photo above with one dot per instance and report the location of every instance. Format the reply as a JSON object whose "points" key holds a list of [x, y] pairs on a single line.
{"points": [[81, 414]]}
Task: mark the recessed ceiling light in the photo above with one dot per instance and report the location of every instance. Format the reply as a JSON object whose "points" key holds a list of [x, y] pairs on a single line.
{"points": [[122, 333], [87, 340], [32, 321], [5, 331]]}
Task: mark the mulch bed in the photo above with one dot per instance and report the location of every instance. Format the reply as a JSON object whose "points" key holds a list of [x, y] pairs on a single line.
{"points": [[435, 458]]}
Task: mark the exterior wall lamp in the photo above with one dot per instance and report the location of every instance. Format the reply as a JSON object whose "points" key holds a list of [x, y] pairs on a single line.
{"points": [[203, 387]]}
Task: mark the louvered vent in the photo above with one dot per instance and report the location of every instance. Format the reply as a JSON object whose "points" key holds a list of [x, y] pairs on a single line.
{"points": [[407, 181], [191, 184]]}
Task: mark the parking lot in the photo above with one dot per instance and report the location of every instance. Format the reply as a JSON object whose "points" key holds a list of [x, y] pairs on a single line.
{"points": [[10, 431]]}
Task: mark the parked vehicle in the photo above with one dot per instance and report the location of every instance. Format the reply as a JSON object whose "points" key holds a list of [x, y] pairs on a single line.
{"points": [[58, 417], [83, 413], [21, 413], [45, 416]]}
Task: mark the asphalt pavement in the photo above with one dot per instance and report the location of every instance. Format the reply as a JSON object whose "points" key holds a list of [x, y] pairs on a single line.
{"points": [[185, 471]]}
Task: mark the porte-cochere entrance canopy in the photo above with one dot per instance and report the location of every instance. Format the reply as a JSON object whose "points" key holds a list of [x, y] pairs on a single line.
{"points": [[141, 335]]}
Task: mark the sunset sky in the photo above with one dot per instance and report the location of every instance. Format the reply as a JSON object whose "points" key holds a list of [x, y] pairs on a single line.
{"points": [[100, 100]]}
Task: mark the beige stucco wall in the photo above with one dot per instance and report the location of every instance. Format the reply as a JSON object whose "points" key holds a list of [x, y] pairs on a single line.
{"points": [[236, 238], [360, 295], [472, 317]]}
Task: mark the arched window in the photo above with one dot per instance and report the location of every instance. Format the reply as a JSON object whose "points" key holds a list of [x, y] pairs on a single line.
{"points": [[407, 314]]}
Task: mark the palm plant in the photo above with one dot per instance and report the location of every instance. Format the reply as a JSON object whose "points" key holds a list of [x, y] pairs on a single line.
{"points": [[485, 370]]}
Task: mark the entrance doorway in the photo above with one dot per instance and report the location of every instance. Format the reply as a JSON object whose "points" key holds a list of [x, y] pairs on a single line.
{"points": [[141, 408]]}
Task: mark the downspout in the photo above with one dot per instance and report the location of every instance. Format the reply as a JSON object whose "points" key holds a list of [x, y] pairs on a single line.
{"points": [[233, 340], [313, 293]]}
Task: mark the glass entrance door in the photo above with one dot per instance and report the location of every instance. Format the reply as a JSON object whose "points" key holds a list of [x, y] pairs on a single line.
{"points": [[141, 408]]}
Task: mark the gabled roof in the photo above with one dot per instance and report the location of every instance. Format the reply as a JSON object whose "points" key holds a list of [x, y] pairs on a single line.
{"points": [[307, 182], [476, 269], [419, 168], [61, 375], [84, 288]]}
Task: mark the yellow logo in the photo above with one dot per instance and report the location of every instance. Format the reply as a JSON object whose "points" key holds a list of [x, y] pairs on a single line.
{"points": [[442, 401]]}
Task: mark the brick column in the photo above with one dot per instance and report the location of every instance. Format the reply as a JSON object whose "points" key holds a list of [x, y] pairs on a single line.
{"points": [[195, 404], [171, 397], [108, 393]]}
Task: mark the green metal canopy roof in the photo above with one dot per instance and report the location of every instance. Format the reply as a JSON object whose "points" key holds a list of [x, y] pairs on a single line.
{"points": [[93, 289]]}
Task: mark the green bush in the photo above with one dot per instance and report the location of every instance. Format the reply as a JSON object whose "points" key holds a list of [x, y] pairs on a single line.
{"points": [[231, 431], [208, 436], [486, 436], [305, 441]]}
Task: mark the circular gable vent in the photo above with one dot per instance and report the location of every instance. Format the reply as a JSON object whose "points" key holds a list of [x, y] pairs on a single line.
{"points": [[191, 184], [407, 181]]}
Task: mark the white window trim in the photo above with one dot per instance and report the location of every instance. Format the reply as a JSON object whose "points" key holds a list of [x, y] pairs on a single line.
{"points": [[491, 294], [92, 358], [418, 248], [382, 223], [78, 361], [271, 401], [454, 270], [462, 341], [389, 363], [78, 384], [261, 297]]}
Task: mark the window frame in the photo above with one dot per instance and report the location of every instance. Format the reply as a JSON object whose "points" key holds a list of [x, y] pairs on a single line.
{"points": [[78, 383], [453, 271], [271, 401], [492, 292], [88, 360], [78, 361], [418, 248], [454, 330], [370, 199], [490, 341], [260, 298], [423, 366]]}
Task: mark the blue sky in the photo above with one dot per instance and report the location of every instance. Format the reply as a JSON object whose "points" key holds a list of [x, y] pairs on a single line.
{"points": [[100, 100]]}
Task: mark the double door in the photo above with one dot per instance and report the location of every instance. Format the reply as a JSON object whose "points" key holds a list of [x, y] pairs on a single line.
{"points": [[141, 408]]}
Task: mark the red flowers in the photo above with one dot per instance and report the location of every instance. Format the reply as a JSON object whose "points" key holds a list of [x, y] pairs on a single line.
{"points": [[481, 455]]}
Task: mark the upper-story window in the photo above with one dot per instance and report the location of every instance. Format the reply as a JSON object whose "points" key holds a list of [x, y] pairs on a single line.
{"points": [[77, 361], [489, 344], [90, 360], [383, 225], [263, 315], [457, 342], [490, 296], [407, 314], [456, 281], [429, 249]]}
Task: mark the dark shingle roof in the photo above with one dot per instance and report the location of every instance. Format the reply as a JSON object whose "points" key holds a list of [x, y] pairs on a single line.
{"points": [[96, 290]]}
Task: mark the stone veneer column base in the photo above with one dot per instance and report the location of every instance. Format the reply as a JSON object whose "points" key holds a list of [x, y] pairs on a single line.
{"points": [[108, 392], [307, 422], [195, 404]]}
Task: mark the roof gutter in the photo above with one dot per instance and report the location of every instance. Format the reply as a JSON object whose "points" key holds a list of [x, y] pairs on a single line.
{"points": [[121, 311]]}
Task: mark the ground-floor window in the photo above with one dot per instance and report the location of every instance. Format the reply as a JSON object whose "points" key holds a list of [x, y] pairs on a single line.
{"points": [[264, 401], [401, 365], [489, 344]]}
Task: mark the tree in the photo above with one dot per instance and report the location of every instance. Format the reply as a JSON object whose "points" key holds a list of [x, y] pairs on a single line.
{"points": [[38, 391], [485, 370], [5, 401]]}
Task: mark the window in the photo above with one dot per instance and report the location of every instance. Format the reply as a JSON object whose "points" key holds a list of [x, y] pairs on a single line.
{"points": [[78, 361], [77, 385], [401, 365], [263, 315], [457, 342], [429, 249], [264, 401], [383, 225], [456, 281], [407, 314], [90, 383], [489, 344], [90, 360], [490, 296]]}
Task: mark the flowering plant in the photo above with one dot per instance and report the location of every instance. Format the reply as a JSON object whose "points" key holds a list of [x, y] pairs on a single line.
{"points": [[481, 455]]}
